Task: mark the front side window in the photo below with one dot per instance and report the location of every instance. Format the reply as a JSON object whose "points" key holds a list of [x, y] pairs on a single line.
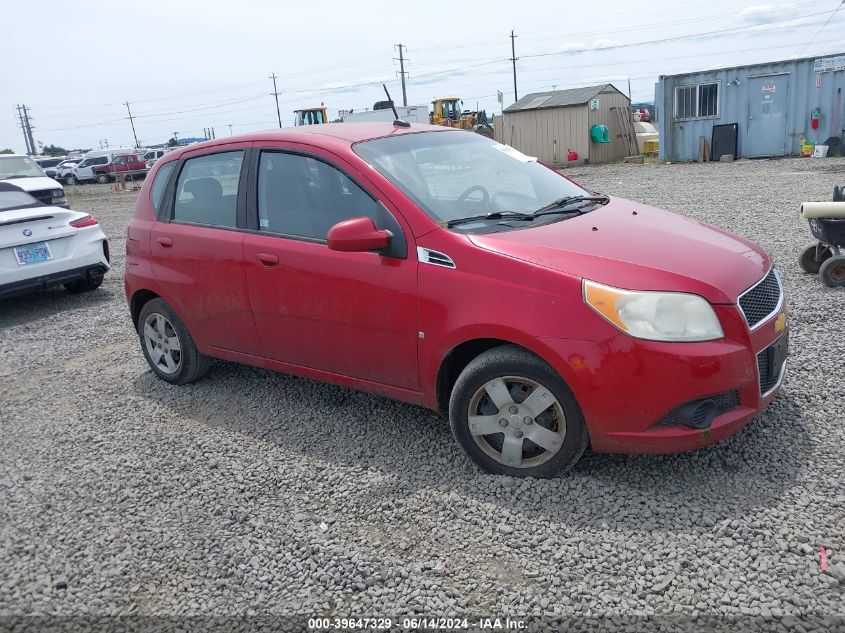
{"points": [[102, 160], [697, 101], [160, 184], [452, 175], [301, 196], [207, 189], [19, 167]]}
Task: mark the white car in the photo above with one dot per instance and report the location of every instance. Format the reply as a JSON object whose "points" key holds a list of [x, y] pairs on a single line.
{"points": [[43, 246], [23, 172]]}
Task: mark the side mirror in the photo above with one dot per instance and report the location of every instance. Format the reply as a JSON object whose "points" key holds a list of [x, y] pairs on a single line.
{"points": [[357, 235]]}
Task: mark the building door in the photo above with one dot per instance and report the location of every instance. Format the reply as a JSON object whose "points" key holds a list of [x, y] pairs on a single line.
{"points": [[767, 103]]}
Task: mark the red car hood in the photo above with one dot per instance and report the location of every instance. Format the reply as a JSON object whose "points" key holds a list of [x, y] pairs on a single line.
{"points": [[634, 246]]}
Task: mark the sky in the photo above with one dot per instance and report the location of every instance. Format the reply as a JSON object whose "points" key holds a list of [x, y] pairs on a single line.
{"points": [[186, 65]]}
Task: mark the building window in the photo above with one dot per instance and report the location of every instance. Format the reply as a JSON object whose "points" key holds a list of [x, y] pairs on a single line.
{"points": [[698, 101]]}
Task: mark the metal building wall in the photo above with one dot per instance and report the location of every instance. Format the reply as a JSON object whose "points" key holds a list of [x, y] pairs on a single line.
{"points": [[679, 140], [546, 133], [616, 149]]}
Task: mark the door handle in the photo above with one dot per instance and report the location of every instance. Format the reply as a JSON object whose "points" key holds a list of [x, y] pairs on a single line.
{"points": [[166, 242], [268, 259]]}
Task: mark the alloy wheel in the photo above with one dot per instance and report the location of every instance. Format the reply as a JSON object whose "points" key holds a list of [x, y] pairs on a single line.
{"points": [[517, 421], [162, 343]]}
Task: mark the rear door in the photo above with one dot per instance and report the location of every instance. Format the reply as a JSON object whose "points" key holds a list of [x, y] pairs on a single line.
{"points": [[352, 314], [196, 248]]}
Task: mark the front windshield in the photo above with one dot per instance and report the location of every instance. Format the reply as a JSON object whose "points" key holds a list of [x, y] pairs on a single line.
{"points": [[19, 167], [457, 174]]}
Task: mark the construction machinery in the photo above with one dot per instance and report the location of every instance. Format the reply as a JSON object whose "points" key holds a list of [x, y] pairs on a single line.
{"points": [[449, 112], [311, 116]]}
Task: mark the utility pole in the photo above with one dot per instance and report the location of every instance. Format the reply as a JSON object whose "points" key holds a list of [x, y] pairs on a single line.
{"points": [[230, 129], [513, 59], [28, 129], [402, 74], [23, 129], [275, 93], [132, 123], [176, 138], [213, 135]]}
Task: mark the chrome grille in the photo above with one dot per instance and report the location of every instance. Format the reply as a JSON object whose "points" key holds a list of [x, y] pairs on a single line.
{"points": [[762, 300]]}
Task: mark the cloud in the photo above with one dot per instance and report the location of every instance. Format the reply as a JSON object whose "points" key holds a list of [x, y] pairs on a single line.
{"points": [[580, 47], [763, 14]]}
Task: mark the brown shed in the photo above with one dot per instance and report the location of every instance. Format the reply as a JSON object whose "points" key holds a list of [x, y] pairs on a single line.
{"points": [[547, 124]]}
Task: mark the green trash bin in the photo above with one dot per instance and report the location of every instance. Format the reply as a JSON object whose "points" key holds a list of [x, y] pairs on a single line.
{"points": [[600, 134]]}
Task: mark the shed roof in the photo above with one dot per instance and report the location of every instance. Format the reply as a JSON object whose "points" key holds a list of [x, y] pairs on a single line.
{"points": [[558, 98]]}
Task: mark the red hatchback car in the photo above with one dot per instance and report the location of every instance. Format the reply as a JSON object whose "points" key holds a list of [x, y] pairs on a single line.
{"points": [[444, 269]]}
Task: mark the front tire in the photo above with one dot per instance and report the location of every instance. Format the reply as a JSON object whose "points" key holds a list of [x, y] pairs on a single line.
{"points": [[832, 272], [103, 179], [513, 415], [70, 179], [168, 346]]}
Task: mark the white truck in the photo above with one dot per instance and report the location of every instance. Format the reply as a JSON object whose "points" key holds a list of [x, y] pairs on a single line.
{"points": [[411, 114]]}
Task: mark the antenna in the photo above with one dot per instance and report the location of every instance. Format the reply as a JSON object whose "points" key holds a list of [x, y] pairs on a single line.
{"points": [[397, 121]]}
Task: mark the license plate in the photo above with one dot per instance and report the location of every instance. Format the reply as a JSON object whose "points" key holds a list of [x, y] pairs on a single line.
{"points": [[33, 253], [777, 353]]}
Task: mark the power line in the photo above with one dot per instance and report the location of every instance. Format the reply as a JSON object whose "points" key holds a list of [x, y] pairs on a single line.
{"points": [[275, 93], [813, 39]]}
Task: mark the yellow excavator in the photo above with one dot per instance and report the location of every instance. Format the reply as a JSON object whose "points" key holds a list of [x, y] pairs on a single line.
{"points": [[311, 116], [448, 111]]}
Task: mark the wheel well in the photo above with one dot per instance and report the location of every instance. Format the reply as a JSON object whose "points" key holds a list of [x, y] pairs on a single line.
{"points": [[139, 300], [456, 361]]}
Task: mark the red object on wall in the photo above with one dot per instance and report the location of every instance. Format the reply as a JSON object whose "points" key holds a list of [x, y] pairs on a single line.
{"points": [[815, 115]]}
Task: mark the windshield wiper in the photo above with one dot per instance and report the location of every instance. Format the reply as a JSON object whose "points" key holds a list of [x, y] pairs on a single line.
{"points": [[559, 205], [493, 215]]}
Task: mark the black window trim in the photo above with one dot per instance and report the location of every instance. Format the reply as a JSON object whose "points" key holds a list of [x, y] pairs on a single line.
{"points": [[169, 200], [252, 201]]}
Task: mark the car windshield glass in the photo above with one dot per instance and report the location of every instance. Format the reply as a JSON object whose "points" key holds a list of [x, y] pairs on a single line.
{"points": [[457, 174], [19, 167], [15, 200]]}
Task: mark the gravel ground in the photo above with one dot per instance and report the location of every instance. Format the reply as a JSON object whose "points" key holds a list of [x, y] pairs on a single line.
{"points": [[257, 493]]}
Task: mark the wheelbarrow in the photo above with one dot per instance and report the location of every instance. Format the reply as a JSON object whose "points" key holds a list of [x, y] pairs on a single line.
{"points": [[827, 224]]}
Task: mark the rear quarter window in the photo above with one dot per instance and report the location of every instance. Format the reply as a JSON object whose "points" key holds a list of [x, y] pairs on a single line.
{"points": [[162, 177]]}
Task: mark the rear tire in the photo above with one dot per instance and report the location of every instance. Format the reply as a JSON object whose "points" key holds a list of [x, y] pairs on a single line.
{"points": [[168, 346], [808, 260], [84, 285], [832, 272], [512, 377]]}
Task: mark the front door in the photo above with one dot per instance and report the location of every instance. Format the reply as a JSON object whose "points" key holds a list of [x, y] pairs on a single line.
{"points": [[352, 314], [767, 103], [197, 251]]}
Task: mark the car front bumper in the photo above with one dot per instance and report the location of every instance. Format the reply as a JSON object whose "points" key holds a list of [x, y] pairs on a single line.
{"points": [[629, 389]]}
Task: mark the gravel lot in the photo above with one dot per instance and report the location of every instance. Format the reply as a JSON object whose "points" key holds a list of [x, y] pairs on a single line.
{"points": [[258, 493]]}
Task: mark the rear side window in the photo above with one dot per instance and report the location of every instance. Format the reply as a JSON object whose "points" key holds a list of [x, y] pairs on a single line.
{"points": [[160, 184], [207, 189], [305, 197]]}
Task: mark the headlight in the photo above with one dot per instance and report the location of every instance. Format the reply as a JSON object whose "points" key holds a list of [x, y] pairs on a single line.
{"points": [[58, 193], [656, 316]]}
